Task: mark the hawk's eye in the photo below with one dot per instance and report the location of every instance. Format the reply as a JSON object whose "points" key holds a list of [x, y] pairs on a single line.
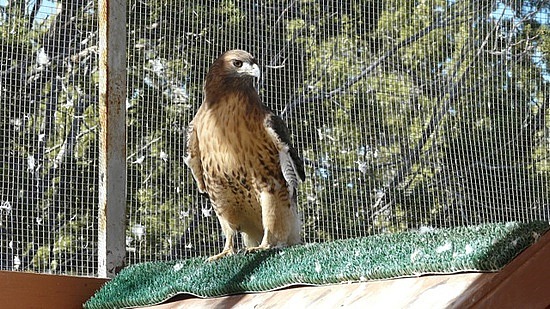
{"points": [[237, 63]]}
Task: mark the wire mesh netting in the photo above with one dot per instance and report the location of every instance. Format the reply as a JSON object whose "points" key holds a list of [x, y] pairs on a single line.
{"points": [[48, 128], [407, 114]]}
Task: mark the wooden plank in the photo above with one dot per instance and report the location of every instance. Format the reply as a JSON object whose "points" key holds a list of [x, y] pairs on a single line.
{"points": [[524, 283], [112, 155], [29, 290], [436, 291]]}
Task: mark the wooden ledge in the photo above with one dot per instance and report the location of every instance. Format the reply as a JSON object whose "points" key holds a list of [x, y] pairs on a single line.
{"points": [[524, 283], [422, 292], [30, 290]]}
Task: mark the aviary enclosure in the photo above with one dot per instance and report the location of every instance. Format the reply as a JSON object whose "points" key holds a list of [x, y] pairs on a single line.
{"points": [[408, 114]]}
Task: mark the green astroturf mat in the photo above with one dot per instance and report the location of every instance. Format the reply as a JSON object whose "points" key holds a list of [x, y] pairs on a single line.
{"points": [[486, 247]]}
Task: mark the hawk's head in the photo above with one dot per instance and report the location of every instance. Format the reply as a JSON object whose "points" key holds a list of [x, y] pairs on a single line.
{"points": [[234, 70]]}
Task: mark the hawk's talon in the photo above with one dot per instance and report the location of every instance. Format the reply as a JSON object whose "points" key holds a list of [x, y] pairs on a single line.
{"points": [[257, 249], [220, 255]]}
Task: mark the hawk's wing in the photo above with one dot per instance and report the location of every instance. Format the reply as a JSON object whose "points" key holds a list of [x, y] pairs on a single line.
{"points": [[292, 165], [193, 157]]}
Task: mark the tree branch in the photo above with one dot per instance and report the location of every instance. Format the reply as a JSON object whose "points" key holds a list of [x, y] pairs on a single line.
{"points": [[287, 111], [438, 113], [34, 12]]}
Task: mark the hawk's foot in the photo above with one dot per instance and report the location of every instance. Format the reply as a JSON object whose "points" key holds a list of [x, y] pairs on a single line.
{"points": [[258, 248], [224, 253]]}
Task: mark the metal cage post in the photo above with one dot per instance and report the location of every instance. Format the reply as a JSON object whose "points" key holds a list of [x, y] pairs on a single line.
{"points": [[112, 158]]}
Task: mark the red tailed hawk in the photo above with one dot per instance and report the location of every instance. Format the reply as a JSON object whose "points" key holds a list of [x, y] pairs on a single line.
{"points": [[240, 154]]}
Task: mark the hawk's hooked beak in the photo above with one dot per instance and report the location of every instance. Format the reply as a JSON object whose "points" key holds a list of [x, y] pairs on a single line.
{"points": [[254, 71], [251, 70], [257, 75]]}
